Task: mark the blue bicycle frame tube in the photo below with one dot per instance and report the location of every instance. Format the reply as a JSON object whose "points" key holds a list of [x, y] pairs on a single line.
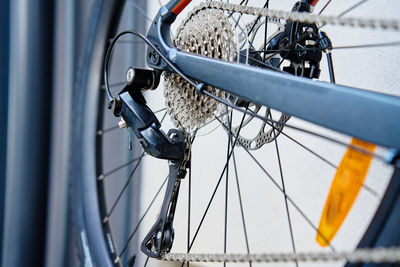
{"points": [[367, 115]]}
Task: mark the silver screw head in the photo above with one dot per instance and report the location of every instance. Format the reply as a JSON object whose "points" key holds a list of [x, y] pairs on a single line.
{"points": [[159, 235], [122, 124], [130, 74]]}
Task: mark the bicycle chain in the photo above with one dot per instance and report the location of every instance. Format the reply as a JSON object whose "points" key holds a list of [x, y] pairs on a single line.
{"points": [[375, 255], [382, 23]]}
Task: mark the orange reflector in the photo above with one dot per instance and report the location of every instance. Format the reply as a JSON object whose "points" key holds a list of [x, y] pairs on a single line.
{"points": [[345, 187]]}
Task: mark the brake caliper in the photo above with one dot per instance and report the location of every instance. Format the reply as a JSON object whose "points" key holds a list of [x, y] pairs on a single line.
{"points": [[299, 44]]}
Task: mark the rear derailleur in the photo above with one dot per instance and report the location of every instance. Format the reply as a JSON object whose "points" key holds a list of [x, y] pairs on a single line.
{"points": [[135, 115]]}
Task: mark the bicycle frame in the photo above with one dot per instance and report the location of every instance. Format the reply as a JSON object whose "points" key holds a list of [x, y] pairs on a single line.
{"points": [[367, 115]]}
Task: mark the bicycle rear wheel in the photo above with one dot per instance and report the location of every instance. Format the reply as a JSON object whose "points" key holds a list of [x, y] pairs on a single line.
{"points": [[245, 221]]}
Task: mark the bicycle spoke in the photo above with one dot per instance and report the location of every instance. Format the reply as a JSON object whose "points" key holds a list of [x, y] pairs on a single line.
{"points": [[325, 6], [264, 64], [160, 110], [112, 128], [190, 198], [208, 123], [348, 10], [102, 176], [147, 260], [215, 189], [352, 8], [141, 11], [310, 150], [368, 45], [280, 188], [227, 180], [241, 205], [140, 220], [284, 191], [369, 189], [189, 209], [106, 218], [265, 30], [342, 47], [103, 87], [267, 120]]}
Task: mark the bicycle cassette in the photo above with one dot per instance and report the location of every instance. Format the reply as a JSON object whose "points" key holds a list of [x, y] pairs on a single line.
{"points": [[209, 33]]}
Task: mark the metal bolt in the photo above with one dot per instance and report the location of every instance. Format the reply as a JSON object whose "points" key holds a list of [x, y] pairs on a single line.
{"points": [[130, 74], [155, 58], [159, 235], [122, 124]]}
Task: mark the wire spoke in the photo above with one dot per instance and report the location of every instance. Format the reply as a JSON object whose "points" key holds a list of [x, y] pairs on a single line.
{"points": [[160, 110], [397, 43], [209, 122], [325, 6], [141, 10], [366, 187], [106, 218], [189, 208], [280, 188], [143, 216], [112, 128], [267, 120], [340, 47], [114, 85], [310, 150], [284, 191], [227, 180], [190, 199], [147, 260], [270, 122], [264, 64], [102, 176], [215, 188], [348, 10], [241, 204], [265, 29], [356, 5]]}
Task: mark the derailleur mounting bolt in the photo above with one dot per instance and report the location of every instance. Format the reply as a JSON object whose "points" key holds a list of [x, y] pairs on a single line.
{"points": [[122, 124], [154, 57], [130, 74], [159, 235]]}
